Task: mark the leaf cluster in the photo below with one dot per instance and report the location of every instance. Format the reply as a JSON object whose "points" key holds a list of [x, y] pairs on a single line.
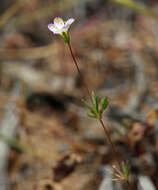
{"points": [[125, 170], [98, 106]]}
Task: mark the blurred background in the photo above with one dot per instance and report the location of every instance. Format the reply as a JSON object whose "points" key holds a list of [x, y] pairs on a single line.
{"points": [[47, 140]]}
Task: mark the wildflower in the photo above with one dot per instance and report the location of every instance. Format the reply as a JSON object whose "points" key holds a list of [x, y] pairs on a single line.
{"points": [[61, 27]]}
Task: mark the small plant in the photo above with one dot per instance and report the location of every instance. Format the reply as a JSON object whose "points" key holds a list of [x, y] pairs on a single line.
{"points": [[97, 106], [123, 174]]}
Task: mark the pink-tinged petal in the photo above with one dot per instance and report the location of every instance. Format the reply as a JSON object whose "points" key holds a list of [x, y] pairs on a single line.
{"points": [[55, 30], [66, 28], [52, 28], [69, 22]]}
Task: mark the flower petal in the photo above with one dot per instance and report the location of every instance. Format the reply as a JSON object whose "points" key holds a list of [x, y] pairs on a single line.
{"points": [[69, 22], [52, 28], [55, 30]]}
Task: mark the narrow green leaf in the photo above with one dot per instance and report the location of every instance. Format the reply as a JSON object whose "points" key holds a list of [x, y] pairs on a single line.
{"points": [[89, 107], [93, 112], [125, 169], [104, 104], [97, 103], [91, 115], [86, 104], [93, 99]]}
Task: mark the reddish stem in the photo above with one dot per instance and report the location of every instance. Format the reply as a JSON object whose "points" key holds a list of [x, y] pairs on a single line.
{"points": [[79, 72], [100, 120]]}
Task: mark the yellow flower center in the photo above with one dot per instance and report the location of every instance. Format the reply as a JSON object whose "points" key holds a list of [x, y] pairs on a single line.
{"points": [[59, 20]]}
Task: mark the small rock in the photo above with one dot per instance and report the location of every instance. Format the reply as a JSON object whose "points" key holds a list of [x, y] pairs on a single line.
{"points": [[145, 183]]}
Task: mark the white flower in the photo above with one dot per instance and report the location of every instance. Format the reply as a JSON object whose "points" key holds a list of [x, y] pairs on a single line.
{"points": [[59, 26]]}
